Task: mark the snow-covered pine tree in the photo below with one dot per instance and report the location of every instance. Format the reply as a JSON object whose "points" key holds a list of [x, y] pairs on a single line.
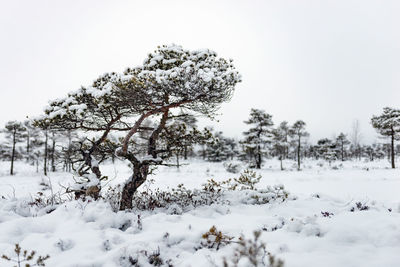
{"points": [[98, 109], [37, 150], [298, 133], [15, 133], [378, 151], [258, 137], [327, 149], [30, 130], [232, 146], [280, 141], [388, 124], [67, 153], [180, 135], [172, 77], [355, 138], [342, 144], [219, 149]]}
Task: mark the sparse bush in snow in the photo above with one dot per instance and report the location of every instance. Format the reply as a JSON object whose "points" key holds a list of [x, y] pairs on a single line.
{"points": [[25, 258], [264, 196], [48, 203], [181, 199], [215, 239], [359, 206], [252, 252], [113, 197], [247, 180], [145, 258], [176, 200], [326, 214]]}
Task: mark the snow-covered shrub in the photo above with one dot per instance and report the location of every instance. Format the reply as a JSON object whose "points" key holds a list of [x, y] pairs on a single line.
{"points": [[178, 199], [113, 196], [337, 166], [45, 185], [87, 185], [47, 203], [359, 206], [232, 167], [64, 245], [279, 225], [144, 258], [181, 199], [271, 193], [326, 214], [247, 180], [252, 252], [26, 258]]}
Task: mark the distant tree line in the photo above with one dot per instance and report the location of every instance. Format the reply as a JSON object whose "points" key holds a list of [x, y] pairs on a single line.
{"points": [[262, 140], [61, 149]]}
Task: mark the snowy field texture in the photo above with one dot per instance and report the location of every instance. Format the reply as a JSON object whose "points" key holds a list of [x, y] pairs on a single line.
{"points": [[341, 215]]}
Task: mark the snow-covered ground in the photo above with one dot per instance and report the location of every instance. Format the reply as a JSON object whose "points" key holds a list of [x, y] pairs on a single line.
{"points": [[320, 225]]}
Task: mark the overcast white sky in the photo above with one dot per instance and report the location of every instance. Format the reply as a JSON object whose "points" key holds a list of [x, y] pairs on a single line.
{"points": [[325, 62]]}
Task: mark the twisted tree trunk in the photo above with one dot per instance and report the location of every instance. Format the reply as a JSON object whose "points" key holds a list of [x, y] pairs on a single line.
{"points": [[141, 168], [139, 176]]}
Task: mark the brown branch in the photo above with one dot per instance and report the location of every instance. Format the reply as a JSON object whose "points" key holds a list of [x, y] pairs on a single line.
{"points": [[154, 136], [137, 124]]}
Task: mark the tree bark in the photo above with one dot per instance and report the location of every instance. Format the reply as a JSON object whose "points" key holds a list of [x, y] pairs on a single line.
{"points": [[13, 152], [342, 151], [27, 146], [140, 168], [298, 153], [185, 152], [45, 154], [392, 149], [53, 147], [140, 172]]}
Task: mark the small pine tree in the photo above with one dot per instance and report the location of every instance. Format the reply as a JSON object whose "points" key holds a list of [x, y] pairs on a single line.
{"points": [[258, 136], [342, 143], [327, 149], [280, 142], [180, 135], [219, 148], [388, 124], [298, 133], [15, 133]]}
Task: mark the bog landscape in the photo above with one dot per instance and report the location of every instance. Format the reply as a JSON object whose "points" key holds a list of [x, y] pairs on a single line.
{"points": [[135, 169]]}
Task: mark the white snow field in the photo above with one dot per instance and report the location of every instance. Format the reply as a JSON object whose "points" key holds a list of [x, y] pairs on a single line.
{"points": [[319, 225]]}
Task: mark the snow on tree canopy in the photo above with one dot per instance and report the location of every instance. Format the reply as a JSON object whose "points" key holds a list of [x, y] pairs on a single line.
{"points": [[169, 77], [387, 122], [86, 105], [187, 75]]}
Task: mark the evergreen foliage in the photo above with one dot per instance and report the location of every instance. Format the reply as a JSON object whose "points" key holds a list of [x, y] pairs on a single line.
{"points": [[388, 124], [258, 137], [15, 132]]}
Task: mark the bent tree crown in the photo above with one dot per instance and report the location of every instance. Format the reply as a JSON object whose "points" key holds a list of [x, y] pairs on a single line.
{"points": [[170, 77]]}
